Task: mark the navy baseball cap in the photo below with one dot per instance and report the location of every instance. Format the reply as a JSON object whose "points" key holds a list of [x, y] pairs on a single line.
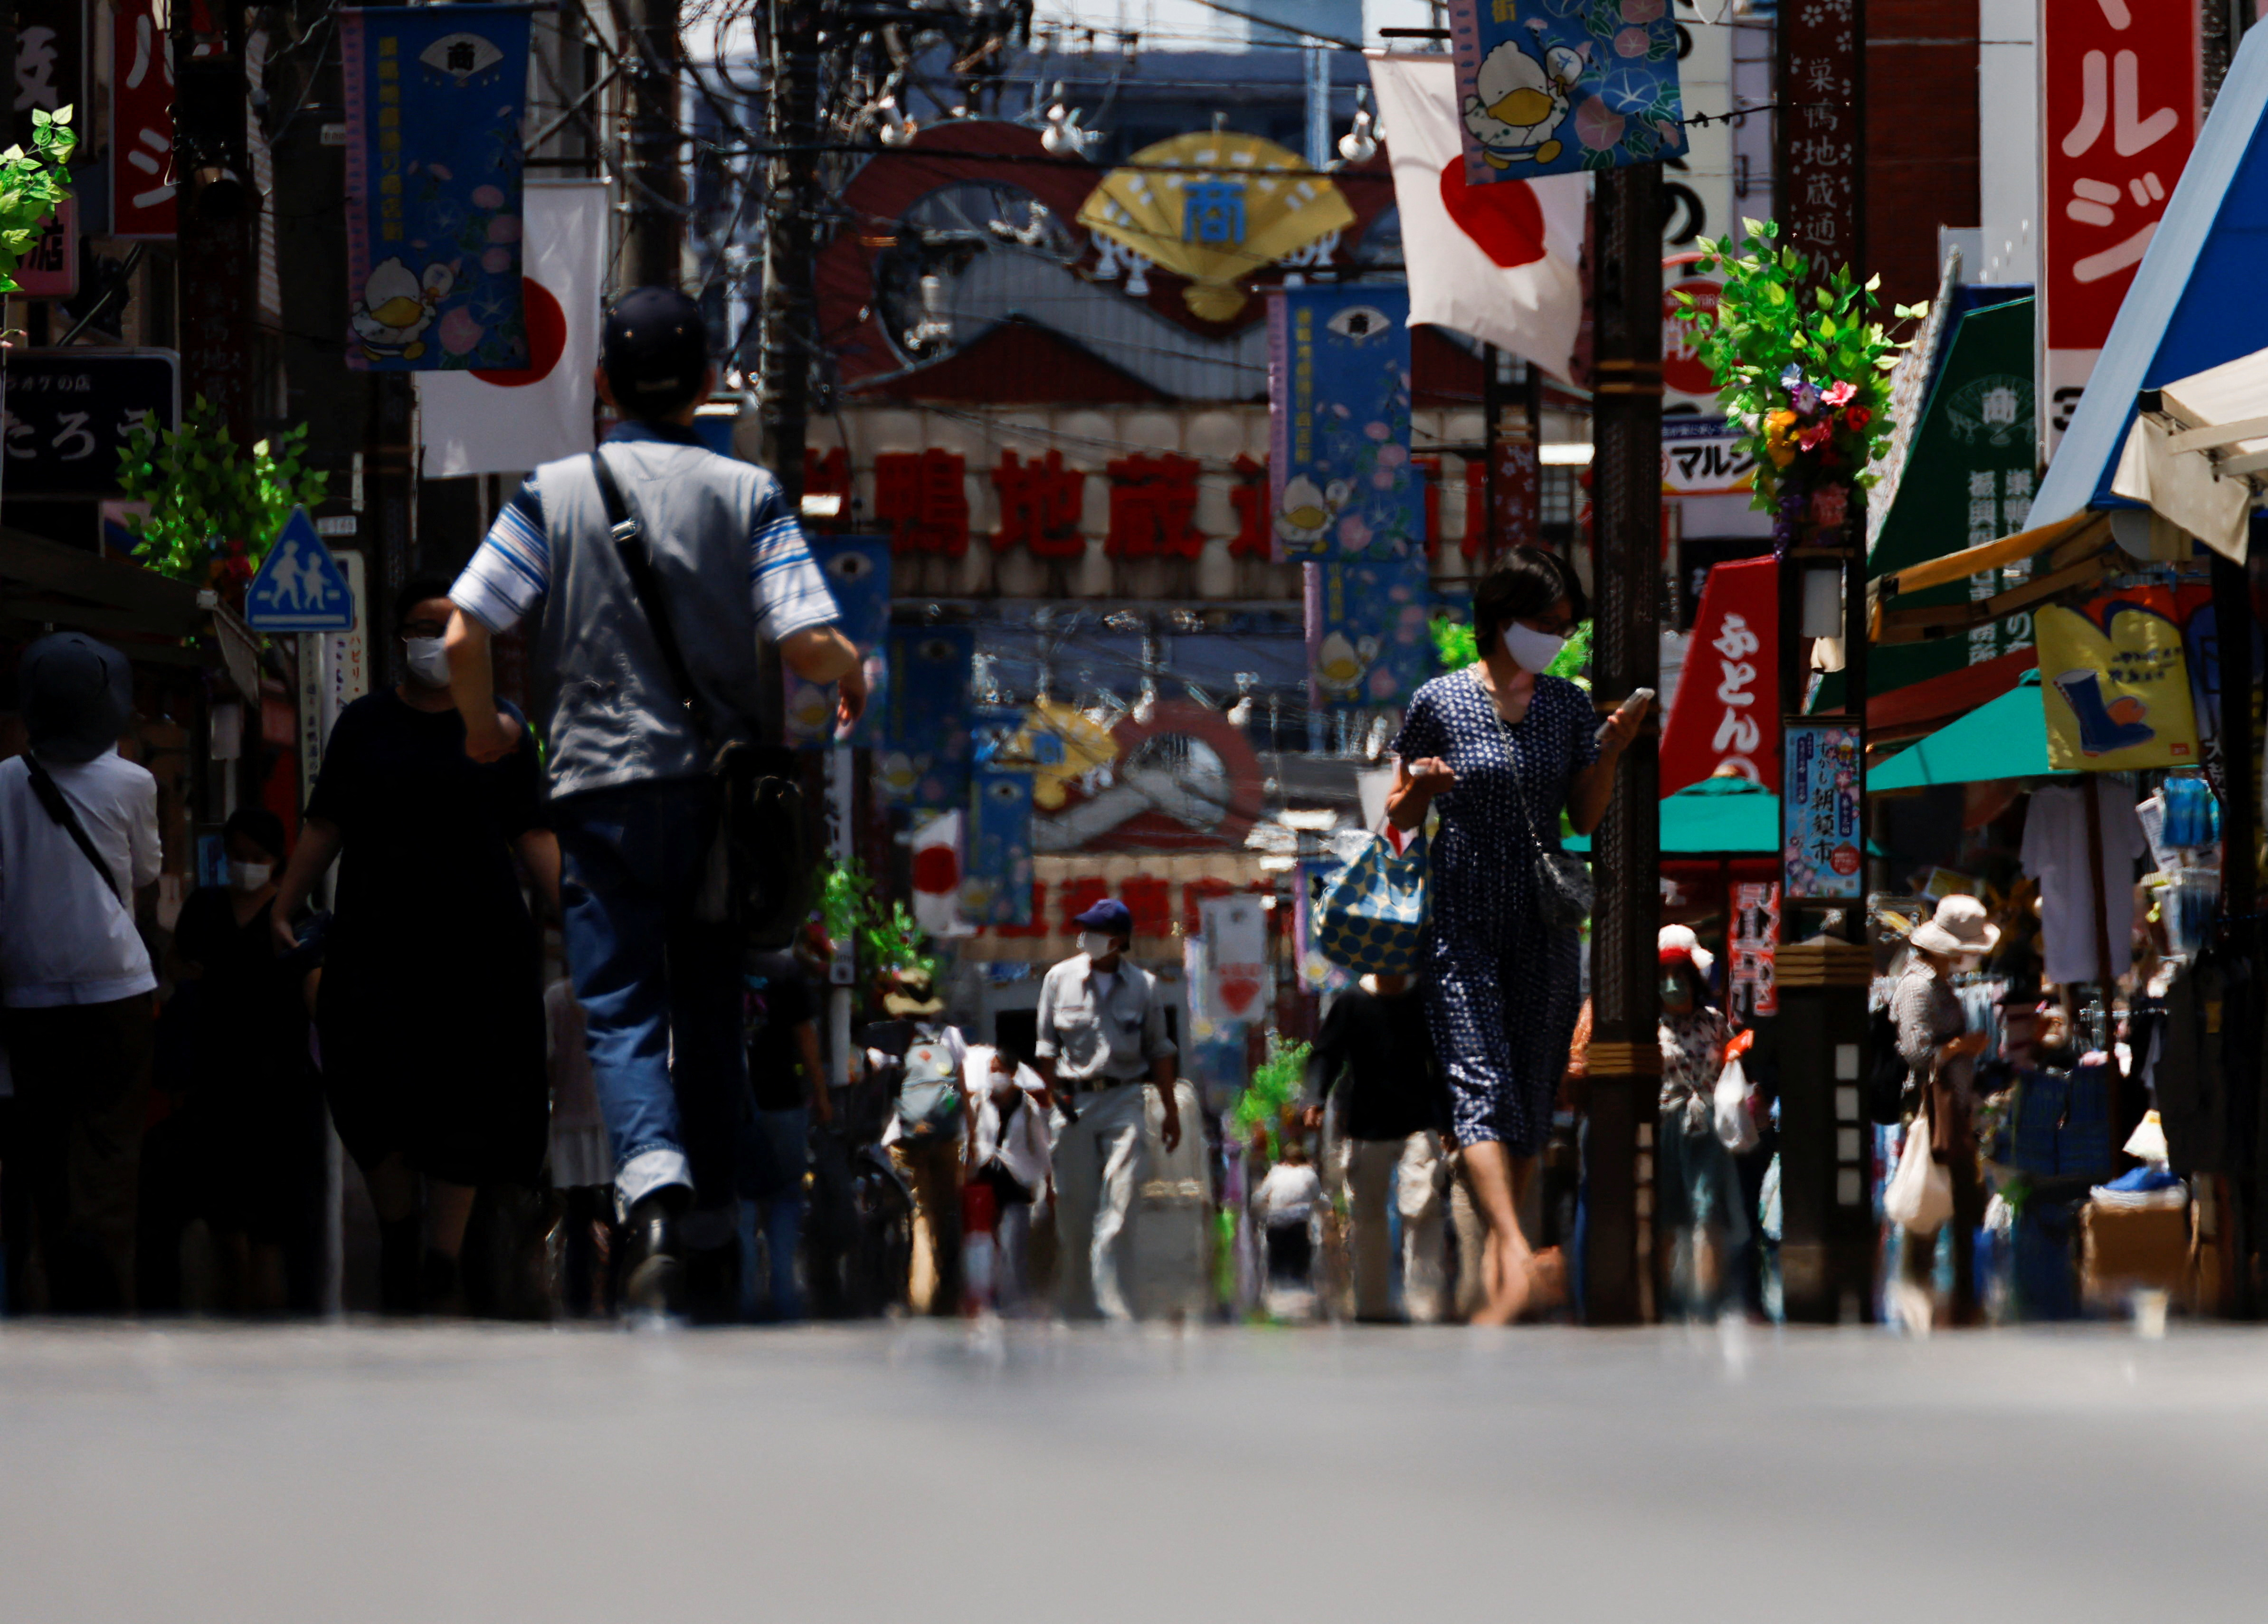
{"points": [[655, 349], [1109, 915]]}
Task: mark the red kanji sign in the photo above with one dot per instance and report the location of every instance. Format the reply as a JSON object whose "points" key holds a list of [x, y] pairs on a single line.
{"points": [[1150, 902], [827, 473], [923, 497], [1079, 895], [1154, 503], [1255, 535], [1040, 506]]}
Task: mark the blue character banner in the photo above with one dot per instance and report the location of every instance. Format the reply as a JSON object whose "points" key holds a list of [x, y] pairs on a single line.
{"points": [[1368, 640], [1338, 396], [858, 571], [434, 97], [927, 744], [1555, 87], [996, 886]]}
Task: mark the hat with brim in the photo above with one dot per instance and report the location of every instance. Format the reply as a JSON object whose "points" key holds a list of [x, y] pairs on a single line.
{"points": [[911, 996], [1677, 942], [76, 696], [1958, 929]]}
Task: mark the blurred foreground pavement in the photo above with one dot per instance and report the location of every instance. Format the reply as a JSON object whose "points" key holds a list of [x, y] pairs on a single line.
{"points": [[923, 1471]]}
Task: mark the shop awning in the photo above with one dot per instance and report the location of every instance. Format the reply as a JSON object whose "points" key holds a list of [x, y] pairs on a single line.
{"points": [[44, 586], [1924, 706], [2077, 553], [2195, 452], [2007, 739], [1713, 817]]}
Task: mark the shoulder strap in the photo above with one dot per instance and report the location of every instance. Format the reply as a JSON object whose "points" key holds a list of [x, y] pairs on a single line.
{"points": [[638, 563], [59, 808]]}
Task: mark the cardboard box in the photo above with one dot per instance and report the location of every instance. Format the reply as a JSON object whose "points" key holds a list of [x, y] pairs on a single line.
{"points": [[2124, 1248]]}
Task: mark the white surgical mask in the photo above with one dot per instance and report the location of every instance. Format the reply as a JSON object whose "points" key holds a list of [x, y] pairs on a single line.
{"points": [[1534, 651], [249, 877], [1094, 944], [429, 661]]}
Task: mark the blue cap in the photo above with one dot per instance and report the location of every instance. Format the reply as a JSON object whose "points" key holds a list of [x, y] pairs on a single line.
{"points": [[1109, 915]]}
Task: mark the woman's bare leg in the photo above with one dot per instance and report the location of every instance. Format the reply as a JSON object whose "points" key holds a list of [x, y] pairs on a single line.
{"points": [[1505, 1257]]}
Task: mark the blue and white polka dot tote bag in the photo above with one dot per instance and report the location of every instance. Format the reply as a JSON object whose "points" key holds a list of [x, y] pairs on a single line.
{"points": [[1373, 912]]}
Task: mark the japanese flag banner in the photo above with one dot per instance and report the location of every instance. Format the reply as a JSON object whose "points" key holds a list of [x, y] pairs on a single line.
{"points": [[484, 421], [1497, 263], [1727, 712]]}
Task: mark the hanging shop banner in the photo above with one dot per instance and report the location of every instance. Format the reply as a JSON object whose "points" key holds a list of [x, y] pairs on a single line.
{"points": [[996, 887], [1341, 483], [858, 571], [1566, 86], [1726, 712], [1368, 643], [1824, 847], [1822, 131], [2119, 114], [924, 760], [2115, 682], [500, 421], [434, 95], [1236, 957], [141, 121], [1755, 934]]}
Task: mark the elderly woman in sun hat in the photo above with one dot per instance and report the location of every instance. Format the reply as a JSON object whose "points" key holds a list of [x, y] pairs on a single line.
{"points": [[1940, 1052]]}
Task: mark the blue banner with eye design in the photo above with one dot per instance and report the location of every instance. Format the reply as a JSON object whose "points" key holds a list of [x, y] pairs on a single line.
{"points": [[927, 746], [858, 571], [434, 96], [1338, 398], [996, 885], [1557, 86]]}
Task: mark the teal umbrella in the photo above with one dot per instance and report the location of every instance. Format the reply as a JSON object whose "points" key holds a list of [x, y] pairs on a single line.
{"points": [[2007, 739], [1713, 817]]}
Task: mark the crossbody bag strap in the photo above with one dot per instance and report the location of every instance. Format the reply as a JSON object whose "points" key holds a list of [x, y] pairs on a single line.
{"points": [[59, 808], [1519, 778], [628, 535]]}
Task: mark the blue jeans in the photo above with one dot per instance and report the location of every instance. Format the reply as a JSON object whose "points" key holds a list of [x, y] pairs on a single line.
{"points": [[661, 992], [781, 1155]]}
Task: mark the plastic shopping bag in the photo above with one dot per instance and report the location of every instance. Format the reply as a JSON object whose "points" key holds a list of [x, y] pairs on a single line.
{"points": [[1920, 1196]]}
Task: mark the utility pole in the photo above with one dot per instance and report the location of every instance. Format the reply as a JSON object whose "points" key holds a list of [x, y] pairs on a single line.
{"points": [[791, 199], [1626, 1060], [652, 176]]}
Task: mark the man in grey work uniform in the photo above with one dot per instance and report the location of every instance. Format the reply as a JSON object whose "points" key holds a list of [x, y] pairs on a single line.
{"points": [[1102, 1031], [632, 800]]}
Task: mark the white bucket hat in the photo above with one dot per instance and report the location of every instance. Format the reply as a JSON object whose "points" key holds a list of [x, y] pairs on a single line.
{"points": [[1681, 939], [1958, 929]]}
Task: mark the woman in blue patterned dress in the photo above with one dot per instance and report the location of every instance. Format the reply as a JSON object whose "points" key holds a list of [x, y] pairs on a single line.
{"points": [[1500, 749]]}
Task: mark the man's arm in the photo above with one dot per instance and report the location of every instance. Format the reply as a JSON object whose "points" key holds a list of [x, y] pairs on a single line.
{"points": [[1043, 1045], [806, 1049], [489, 735], [320, 840], [823, 654], [539, 849]]}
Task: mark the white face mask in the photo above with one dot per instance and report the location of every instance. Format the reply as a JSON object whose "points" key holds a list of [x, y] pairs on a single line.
{"points": [[429, 661], [249, 877], [1094, 944], [1531, 650]]}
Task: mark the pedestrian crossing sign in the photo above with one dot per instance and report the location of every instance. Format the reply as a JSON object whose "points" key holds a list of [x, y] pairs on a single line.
{"points": [[300, 587]]}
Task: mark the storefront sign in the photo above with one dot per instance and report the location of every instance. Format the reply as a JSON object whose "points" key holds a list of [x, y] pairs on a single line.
{"points": [[1702, 456], [1824, 851], [1367, 638], [50, 271], [1755, 934], [2114, 678], [1338, 395], [1684, 371], [1727, 712], [433, 102], [1560, 89], [1236, 957], [2118, 100], [141, 121], [66, 414]]}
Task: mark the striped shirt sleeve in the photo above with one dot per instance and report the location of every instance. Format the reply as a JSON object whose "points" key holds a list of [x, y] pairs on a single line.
{"points": [[510, 570], [791, 592]]}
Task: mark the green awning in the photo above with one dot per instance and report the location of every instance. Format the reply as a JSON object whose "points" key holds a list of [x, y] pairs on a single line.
{"points": [[2007, 739], [1713, 817]]}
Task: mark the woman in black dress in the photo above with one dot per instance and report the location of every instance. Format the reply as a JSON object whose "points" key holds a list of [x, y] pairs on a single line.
{"points": [[430, 1009]]}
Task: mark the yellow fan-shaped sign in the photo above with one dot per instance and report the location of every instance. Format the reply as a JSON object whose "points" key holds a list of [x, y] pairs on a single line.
{"points": [[1215, 208]]}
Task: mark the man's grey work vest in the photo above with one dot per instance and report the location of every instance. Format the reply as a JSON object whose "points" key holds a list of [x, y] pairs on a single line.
{"points": [[603, 696]]}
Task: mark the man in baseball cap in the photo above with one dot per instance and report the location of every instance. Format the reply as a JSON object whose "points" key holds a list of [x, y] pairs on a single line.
{"points": [[1102, 1031]]}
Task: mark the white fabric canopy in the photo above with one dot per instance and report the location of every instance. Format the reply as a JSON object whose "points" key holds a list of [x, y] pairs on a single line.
{"points": [[2197, 474]]}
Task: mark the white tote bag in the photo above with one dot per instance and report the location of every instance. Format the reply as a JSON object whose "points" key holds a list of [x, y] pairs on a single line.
{"points": [[1920, 1196], [1736, 1125]]}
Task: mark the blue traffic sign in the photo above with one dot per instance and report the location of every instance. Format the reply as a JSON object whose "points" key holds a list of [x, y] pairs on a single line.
{"points": [[300, 587]]}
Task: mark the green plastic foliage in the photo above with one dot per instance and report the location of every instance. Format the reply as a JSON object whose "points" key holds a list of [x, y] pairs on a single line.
{"points": [[212, 513], [1801, 365], [888, 939], [1275, 1087], [32, 186]]}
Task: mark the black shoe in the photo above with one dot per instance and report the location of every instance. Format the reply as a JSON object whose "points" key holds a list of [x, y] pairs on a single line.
{"points": [[443, 1287], [712, 1284], [653, 1278]]}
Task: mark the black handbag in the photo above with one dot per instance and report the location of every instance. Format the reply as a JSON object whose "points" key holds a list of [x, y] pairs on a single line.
{"points": [[758, 877], [1564, 891]]}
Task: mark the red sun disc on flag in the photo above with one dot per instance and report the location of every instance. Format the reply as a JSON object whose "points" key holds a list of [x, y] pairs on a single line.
{"points": [[547, 340], [1503, 216], [936, 870]]}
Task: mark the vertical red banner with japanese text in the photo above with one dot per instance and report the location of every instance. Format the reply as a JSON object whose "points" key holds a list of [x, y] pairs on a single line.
{"points": [[141, 121], [2119, 114], [1727, 712]]}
